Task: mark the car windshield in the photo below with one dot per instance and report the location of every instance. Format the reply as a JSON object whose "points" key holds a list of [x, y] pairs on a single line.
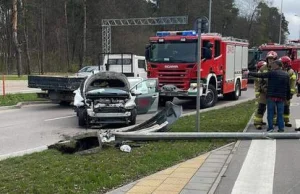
{"points": [[280, 53], [88, 69], [134, 80], [172, 52]]}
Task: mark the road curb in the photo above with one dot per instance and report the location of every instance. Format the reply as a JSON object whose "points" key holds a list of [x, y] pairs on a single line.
{"points": [[20, 104], [227, 162], [22, 153], [219, 107]]}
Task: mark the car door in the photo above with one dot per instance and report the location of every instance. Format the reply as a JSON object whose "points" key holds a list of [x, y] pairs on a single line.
{"points": [[147, 100]]}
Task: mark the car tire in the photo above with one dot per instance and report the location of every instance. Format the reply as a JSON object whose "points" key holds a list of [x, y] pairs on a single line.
{"points": [[82, 117], [133, 117]]}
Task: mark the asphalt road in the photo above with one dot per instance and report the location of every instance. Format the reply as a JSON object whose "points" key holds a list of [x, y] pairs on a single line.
{"points": [[34, 126], [265, 166]]}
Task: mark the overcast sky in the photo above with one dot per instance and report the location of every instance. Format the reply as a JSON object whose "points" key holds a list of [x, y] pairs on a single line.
{"points": [[290, 9]]}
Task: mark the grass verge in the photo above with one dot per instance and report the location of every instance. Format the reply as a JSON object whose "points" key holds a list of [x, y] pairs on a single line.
{"points": [[14, 77], [13, 99], [53, 172], [25, 77]]}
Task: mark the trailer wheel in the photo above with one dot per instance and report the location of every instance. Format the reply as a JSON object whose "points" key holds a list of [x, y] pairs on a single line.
{"points": [[211, 97], [163, 100], [82, 117], [236, 93], [64, 103]]}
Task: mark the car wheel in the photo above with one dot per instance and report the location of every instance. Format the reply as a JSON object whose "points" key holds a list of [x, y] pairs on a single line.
{"points": [[133, 117], [82, 117]]}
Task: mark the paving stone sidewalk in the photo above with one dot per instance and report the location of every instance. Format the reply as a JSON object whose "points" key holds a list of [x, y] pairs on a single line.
{"points": [[199, 175]]}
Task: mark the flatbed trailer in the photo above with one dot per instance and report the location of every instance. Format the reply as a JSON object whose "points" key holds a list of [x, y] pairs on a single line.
{"points": [[56, 88]]}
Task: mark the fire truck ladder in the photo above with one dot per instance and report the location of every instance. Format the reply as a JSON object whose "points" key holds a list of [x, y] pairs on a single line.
{"points": [[108, 23]]}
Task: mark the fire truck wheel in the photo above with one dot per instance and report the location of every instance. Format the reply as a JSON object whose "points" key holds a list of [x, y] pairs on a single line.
{"points": [[163, 100], [211, 97], [236, 93]]}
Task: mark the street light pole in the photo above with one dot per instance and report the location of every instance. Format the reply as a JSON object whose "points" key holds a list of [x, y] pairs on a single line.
{"points": [[280, 22], [299, 26], [209, 16]]}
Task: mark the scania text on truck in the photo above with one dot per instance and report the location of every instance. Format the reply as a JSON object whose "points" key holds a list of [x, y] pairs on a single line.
{"points": [[172, 58]]}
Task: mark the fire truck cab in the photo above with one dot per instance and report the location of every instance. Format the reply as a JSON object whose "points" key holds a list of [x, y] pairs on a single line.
{"points": [[291, 49], [172, 58]]}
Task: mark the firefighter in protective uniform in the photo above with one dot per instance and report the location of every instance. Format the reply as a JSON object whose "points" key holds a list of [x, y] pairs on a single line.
{"points": [[287, 66], [256, 83], [298, 95], [260, 86]]}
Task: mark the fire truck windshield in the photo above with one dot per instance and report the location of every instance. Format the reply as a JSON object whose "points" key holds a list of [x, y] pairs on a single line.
{"points": [[172, 52], [280, 53]]}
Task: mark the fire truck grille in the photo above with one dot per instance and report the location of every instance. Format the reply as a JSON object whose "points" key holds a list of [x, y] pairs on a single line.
{"points": [[174, 77]]}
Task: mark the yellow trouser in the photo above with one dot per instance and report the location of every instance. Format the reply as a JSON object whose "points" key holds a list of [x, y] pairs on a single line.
{"points": [[286, 112]]}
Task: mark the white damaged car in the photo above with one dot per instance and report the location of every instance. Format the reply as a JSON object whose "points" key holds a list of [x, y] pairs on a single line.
{"points": [[111, 97]]}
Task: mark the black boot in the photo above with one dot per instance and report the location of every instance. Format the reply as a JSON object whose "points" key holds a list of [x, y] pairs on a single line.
{"points": [[258, 127], [288, 125], [263, 123], [297, 129]]}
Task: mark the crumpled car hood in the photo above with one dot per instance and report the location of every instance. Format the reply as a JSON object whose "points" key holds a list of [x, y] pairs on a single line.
{"points": [[107, 93]]}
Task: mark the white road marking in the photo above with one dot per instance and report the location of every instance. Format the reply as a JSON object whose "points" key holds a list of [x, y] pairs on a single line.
{"points": [[21, 153], [58, 118], [257, 173]]}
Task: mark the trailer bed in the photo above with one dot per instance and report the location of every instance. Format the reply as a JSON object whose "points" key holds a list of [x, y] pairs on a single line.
{"points": [[55, 83]]}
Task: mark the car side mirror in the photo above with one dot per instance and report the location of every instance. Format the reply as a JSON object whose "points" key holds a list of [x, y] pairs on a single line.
{"points": [[135, 92]]}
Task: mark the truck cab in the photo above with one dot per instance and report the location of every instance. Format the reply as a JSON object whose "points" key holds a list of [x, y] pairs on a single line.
{"points": [[172, 58], [291, 49], [127, 63]]}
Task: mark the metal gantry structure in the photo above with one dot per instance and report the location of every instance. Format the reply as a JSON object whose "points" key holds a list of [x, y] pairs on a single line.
{"points": [[152, 21]]}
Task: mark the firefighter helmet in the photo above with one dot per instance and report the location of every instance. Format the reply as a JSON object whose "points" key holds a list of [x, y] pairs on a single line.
{"points": [[272, 54], [260, 64], [287, 62]]}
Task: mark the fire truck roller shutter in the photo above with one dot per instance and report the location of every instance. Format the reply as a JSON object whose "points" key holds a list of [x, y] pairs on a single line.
{"points": [[239, 54]]}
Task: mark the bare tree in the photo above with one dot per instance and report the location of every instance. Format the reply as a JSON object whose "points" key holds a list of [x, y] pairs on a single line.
{"points": [[84, 34], [43, 36], [67, 34], [15, 35], [25, 31]]}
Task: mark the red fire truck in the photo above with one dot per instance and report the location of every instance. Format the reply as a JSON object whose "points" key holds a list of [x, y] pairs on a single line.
{"points": [[291, 49], [172, 58]]}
